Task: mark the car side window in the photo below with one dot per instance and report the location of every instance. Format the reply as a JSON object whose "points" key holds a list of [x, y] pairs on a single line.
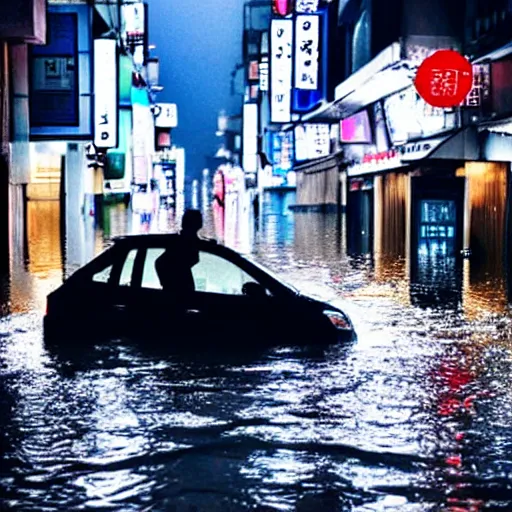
{"points": [[214, 274], [103, 276], [149, 275], [127, 270]]}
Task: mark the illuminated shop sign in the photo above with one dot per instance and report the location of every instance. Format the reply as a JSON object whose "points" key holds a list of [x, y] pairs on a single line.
{"points": [[263, 74], [306, 52], [376, 162], [312, 141], [408, 117], [421, 149], [281, 69], [282, 153], [356, 129], [480, 93], [250, 133], [282, 7], [166, 115], [306, 6], [444, 79], [253, 70], [164, 139], [105, 93], [309, 91], [301, 144], [133, 17]]}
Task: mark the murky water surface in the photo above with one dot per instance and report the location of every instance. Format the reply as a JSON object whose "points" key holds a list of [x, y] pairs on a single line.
{"points": [[415, 416]]}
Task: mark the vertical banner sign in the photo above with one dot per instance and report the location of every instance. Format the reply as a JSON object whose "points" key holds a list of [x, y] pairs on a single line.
{"points": [[250, 133], [318, 140], [105, 93], [306, 52], [301, 144], [141, 129], [263, 71], [253, 70], [132, 15], [481, 90], [282, 153], [306, 6], [281, 70]]}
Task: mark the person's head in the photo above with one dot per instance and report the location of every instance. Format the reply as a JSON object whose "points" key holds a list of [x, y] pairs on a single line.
{"points": [[192, 221]]}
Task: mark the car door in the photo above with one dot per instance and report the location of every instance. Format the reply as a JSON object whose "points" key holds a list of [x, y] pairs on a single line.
{"points": [[222, 308], [125, 292], [152, 314], [90, 298]]}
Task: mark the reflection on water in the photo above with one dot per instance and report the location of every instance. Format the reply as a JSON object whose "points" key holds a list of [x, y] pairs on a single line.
{"points": [[415, 416]]}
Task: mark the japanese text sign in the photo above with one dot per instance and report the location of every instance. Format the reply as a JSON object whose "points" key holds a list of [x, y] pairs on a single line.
{"points": [[306, 52], [444, 79], [281, 69], [105, 96]]}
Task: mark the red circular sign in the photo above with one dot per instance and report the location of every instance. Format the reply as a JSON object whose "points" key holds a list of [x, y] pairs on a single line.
{"points": [[444, 79]]}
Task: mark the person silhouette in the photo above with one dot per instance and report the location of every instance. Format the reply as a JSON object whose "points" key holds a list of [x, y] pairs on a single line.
{"points": [[191, 223], [174, 266]]}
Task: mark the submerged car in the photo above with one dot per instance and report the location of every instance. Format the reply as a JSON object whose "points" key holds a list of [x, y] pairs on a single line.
{"points": [[118, 294]]}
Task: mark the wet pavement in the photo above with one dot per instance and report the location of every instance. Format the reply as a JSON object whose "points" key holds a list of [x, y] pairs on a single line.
{"points": [[415, 416]]}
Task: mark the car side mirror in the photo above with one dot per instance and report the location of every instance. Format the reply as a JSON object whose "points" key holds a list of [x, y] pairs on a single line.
{"points": [[254, 290]]}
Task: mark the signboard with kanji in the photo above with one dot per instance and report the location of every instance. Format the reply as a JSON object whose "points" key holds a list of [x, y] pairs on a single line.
{"points": [[480, 94], [306, 52], [444, 79], [281, 36]]}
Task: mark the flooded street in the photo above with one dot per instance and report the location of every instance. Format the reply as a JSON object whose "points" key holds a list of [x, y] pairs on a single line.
{"points": [[415, 416]]}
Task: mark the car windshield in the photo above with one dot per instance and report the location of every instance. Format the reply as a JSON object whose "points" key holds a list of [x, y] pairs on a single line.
{"points": [[269, 273]]}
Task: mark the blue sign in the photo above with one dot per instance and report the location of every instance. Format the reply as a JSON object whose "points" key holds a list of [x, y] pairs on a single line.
{"points": [[282, 153], [61, 94], [304, 100], [54, 74]]}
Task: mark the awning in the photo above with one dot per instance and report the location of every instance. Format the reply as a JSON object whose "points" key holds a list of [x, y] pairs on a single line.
{"points": [[497, 54], [109, 14], [320, 164], [459, 145], [496, 141], [386, 74], [391, 71], [503, 126]]}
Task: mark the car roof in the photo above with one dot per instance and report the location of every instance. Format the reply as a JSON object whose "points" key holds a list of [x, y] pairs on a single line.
{"points": [[141, 240]]}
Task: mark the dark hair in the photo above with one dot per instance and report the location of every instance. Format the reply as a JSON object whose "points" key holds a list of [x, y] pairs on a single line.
{"points": [[192, 220]]}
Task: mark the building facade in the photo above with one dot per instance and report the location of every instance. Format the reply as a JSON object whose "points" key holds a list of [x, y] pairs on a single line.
{"points": [[22, 24]]}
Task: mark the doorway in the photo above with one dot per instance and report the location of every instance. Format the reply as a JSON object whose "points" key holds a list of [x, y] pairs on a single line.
{"points": [[437, 222], [360, 217]]}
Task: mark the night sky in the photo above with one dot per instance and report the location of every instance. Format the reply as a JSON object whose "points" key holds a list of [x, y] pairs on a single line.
{"points": [[199, 44]]}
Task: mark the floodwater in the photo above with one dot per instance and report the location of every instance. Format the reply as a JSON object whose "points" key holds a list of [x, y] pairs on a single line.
{"points": [[415, 416]]}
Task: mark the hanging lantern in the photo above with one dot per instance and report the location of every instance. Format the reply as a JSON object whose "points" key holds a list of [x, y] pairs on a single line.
{"points": [[444, 79], [283, 7]]}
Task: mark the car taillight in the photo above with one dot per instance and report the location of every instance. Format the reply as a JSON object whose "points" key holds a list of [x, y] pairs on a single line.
{"points": [[339, 320]]}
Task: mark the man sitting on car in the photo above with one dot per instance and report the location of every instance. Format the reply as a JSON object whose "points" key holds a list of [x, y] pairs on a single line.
{"points": [[174, 266]]}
